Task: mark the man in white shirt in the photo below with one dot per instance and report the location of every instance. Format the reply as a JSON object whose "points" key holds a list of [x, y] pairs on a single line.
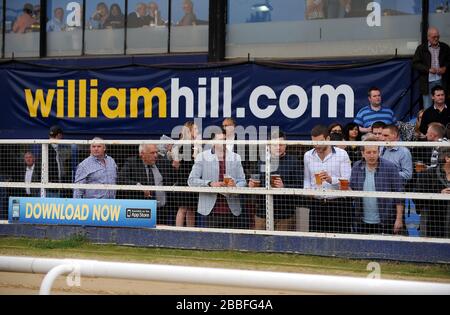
{"points": [[30, 174], [324, 166]]}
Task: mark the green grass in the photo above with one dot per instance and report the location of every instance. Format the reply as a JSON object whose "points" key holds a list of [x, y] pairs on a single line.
{"points": [[80, 247]]}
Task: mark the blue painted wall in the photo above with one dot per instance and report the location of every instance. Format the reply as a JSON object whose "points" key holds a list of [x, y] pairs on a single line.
{"points": [[307, 245]]}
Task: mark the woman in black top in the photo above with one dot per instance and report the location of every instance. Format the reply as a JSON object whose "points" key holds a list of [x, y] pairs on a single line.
{"points": [[351, 133], [183, 159]]}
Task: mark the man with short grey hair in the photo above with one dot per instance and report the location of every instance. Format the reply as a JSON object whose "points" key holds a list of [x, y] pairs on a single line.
{"points": [[98, 168], [148, 169], [432, 60]]}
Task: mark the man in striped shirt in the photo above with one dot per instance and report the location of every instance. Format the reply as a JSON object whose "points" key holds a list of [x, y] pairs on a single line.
{"points": [[374, 112]]}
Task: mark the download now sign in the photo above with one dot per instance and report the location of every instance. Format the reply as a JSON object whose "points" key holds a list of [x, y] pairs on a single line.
{"points": [[92, 212]]}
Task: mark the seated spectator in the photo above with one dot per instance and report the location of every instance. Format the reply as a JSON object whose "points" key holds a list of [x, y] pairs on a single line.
{"points": [[435, 221], [155, 14], [115, 18], [209, 170], [25, 21], [377, 215], [57, 23], [139, 18], [287, 169], [98, 18], [98, 168], [189, 17], [324, 166]]}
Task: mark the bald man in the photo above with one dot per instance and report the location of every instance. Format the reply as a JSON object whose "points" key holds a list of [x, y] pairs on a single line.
{"points": [[148, 168], [432, 61]]}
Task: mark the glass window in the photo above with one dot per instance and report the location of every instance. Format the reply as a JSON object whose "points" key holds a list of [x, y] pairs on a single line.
{"points": [[147, 26], [22, 28], [64, 34], [190, 25], [105, 32], [440, 18], [308, 28]]}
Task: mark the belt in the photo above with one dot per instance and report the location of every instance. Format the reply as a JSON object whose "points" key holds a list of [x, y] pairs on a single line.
{"points": [[325, 201]]}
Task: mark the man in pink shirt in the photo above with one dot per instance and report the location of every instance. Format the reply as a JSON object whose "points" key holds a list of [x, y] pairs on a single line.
{"points": [[24, 21]]}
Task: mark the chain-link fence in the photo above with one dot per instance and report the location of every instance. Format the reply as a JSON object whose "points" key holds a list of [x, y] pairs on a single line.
{"points": [[370, 187]]}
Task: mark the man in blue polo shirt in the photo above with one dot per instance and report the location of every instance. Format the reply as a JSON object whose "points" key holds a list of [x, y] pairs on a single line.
{"points": [[374, 112]]}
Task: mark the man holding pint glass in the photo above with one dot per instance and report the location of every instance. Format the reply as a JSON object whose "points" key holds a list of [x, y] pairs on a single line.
{"points": [[218, 167], [285, 173], [327, 168]]}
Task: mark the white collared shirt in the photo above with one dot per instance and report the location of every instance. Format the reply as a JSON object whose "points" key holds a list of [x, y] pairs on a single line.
{"points": [[434, 51], [337, 164], [28, 176]]}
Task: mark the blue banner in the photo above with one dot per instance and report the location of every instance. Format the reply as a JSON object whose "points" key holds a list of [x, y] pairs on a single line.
{"points": [[92, 212], [146, 101]]}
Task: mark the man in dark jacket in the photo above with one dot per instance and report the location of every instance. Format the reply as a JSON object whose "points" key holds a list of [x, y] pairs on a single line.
{"points": [[147, 170], [377, 215], [30, 172], [285, 173], [432, 61]]}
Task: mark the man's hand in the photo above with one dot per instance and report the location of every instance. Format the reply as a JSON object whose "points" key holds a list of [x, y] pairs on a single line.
{"points": [[433, 70], [217, 184], [278, 183], [325, 177], [147, 194], [176, 164], [445, 191], [398, 226]]}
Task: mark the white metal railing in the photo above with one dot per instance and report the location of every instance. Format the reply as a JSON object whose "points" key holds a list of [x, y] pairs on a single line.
{"points": [[215, 276], [264, 146]]}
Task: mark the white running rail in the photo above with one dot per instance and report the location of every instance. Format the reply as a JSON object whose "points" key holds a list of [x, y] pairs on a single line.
{"points": [[215, 276]]}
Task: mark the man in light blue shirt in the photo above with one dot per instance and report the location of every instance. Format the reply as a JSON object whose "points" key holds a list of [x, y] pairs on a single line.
{"points": [[400, 156], [57, 24], [371, 213], [98, 168]]}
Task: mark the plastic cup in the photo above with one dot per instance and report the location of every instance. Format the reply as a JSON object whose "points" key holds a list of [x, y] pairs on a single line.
{"points": [[256, 179], [227, 180], [273, 178], [420, 167], [318, 178], [344, 184]]}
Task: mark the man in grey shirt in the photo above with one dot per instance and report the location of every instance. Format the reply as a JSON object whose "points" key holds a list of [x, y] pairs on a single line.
{"points": [[98, 168]]}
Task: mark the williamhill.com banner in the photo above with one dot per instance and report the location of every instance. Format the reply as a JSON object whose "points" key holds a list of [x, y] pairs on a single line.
{"points": [[140, 100]]}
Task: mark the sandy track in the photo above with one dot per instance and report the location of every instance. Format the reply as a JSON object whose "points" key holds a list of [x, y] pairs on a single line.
{"points": [[22, 283]]}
